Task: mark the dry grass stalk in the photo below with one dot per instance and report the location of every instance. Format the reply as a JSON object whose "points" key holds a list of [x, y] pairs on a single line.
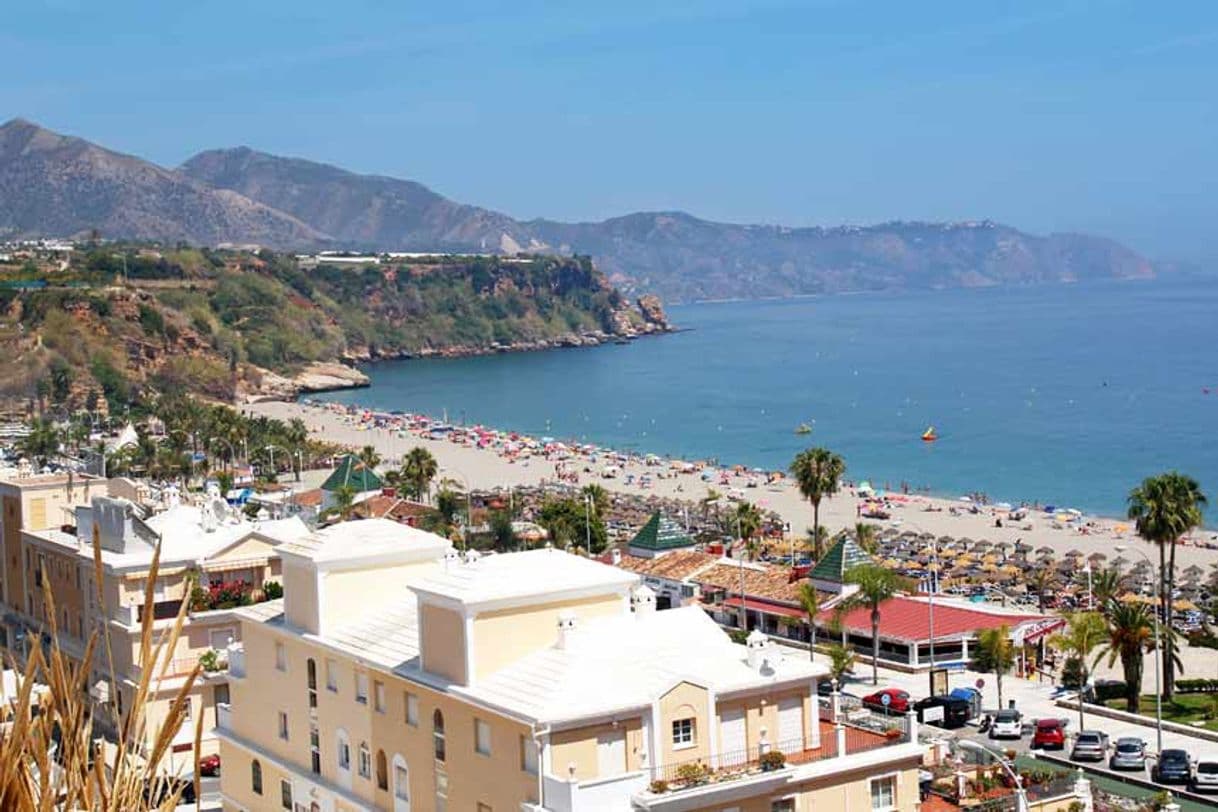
{"points": [[51, 734]]}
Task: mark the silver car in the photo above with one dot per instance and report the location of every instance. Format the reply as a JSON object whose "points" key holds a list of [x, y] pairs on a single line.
{"points": [[1090, 745], [1129, 754]]}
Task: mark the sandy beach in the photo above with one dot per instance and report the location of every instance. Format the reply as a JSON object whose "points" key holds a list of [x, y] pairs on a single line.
{"points": [[485, 468]]}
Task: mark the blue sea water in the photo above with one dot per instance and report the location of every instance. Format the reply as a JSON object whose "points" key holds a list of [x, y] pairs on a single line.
{"points": [[1065, 394]]}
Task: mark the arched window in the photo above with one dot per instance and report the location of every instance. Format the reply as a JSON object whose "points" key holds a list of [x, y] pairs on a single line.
{"points": [[437, 733], [382, 771], [401, 784], [256, 776], [344, 750]]}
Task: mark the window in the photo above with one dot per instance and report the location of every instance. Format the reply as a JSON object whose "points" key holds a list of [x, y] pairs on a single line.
{"points": [[382, 771], [683, 733], [344, 752], [256, 776], [528, 755], [311, 669], [437, 734], [331, 676], [412, 710], [281, 657], [483, 807], [482, 737], [361, 688], [401, 780], [378, 696], [782, 805], [285, 793], [365, 760], [315, 748], [283, 725], [884, 793]]}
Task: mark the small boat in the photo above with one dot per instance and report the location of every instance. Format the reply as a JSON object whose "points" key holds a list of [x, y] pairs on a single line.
{"points": [[803, 428], [929, 436]]}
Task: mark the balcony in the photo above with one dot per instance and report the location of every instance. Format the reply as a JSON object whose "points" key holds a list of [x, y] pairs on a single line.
{"points": [[236, 661], [594, 793], [764, 765]]}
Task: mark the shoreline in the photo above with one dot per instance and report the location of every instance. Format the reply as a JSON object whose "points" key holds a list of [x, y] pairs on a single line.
{"points": [[489, 467]]}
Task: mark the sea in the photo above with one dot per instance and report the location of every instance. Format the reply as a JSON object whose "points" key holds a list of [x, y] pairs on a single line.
{"points": [[1062, 394]]}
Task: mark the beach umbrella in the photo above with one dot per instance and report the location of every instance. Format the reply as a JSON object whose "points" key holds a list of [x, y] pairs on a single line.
{"points": [[1184, 606], [1044, 550], [1120, 561], [1193, 571], [1074, 554], [1096, 557], [1010, 569]]}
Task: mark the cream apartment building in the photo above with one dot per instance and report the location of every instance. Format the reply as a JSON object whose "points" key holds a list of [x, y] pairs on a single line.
{"points": [[201, 544], [398, 675]]}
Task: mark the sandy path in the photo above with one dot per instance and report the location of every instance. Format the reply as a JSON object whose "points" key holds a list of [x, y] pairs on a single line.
{"points": [[480, 468]]}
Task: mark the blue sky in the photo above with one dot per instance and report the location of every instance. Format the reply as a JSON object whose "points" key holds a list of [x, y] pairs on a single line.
{"points": [[1096, 116]]}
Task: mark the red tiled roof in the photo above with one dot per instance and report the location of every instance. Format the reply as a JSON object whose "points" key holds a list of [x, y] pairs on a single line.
{"points": [[765, 607], [675, 566], [907, 619]]}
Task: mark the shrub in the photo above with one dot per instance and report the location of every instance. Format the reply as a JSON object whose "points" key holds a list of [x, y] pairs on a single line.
{"points": [[272, 590], [693, 773], [659, 786], [1197, 686], [773, 760], [209, 661], [1072, 673]]}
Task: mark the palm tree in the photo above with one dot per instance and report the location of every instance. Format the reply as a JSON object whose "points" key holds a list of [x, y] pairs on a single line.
{"points": [[1084, 632], [1164, 508], [876, 585], [344, 501], [1044, 580], [841, 660], [1130, 634], [809, 599], [599, 497], [419, 468], [1107, 585], [865, 536], [369, 456], [744, 520], [818, 472], [995, 652]]}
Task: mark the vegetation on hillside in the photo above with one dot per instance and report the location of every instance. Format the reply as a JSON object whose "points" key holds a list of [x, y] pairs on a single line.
{"points": [[118, 322]]}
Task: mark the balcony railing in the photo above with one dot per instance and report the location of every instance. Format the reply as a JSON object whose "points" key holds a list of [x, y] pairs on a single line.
{"points": [[733, 765], [236, 661]]}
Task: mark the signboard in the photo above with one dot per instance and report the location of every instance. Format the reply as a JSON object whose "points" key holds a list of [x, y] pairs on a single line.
{"points": [[933, 713], [885, 699], [980, 683], [938, 682]]}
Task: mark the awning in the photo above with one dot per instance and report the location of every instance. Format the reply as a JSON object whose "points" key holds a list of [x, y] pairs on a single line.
{"points": [[766, 608]]}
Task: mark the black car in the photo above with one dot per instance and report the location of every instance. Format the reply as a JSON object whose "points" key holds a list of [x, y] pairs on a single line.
{"points": [[943, 711], [1171, 768]]}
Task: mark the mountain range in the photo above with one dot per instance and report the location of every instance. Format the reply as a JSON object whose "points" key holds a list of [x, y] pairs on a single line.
{"points": [[56, 185]]}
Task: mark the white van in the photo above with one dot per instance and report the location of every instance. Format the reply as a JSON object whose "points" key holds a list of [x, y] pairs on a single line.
{"points": [[1205, 773]]}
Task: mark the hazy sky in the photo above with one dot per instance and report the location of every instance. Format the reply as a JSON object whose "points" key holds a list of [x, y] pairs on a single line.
{"points": [[1096, 116]]}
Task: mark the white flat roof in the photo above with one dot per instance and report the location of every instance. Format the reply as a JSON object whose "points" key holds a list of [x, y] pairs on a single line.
{"points": [[510, 577], [367, 538]]}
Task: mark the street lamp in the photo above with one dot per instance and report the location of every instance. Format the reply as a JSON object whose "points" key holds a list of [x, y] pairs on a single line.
{"points": [[1021, 795], [588, 524], [1123, 548]]}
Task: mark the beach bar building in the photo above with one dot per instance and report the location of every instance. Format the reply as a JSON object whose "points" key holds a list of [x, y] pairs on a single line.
{"points": [[914, 633]]}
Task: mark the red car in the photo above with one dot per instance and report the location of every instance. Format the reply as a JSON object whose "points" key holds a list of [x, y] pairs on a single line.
{"points": [[1049, 735], [209, 765], [898, 701]]}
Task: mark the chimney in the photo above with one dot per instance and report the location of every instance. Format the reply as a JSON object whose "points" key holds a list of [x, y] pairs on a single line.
{"points": [[643, 601], [757, 644], [615, 555], [567, 622]]}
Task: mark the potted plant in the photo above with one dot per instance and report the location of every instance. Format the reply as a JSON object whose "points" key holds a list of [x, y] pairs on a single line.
{"points": [[658, 786], [693, 773]]}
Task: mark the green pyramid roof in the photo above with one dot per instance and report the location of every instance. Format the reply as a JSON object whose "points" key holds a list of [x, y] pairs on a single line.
{"points": [[838, 560], [351, 471], [661, 533]]}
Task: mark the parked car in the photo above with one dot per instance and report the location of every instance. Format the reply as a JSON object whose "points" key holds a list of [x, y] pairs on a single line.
{"points": [[210, 765], [1007, 724], [1129, 754], [1049, 734], [943, 711], [1090, 745], [898, 701], [1205, 773], [1172, 767]]}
